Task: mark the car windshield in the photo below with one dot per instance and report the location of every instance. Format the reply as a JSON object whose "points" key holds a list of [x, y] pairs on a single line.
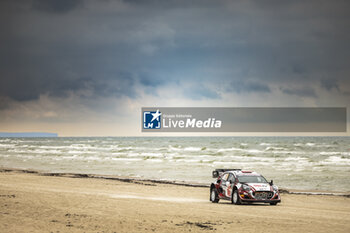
{"points": [[251, 179]]}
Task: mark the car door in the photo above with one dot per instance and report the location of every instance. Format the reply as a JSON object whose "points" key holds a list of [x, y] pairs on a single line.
{"points": [[225, 184], [229, 185]]}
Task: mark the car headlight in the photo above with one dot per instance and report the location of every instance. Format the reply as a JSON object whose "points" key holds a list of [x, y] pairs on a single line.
{"points": [[275, 187], [246, 187]]}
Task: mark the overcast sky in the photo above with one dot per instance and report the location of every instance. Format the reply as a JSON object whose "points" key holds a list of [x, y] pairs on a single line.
{"points": [[85, 68]]}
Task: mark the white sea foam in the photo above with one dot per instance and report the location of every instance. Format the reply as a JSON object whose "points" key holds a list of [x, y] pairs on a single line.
{"points": [[155, 160], [254, 151], [336, 160], [274, 148], [289, 152], [265, 144], [127, 159], [295, 159], [192, 149], [187, 160], [152, 154], [298, 144], [5, 140], [7, 145], [171, 148], [80, 152], [333, 153], [19, 151], [230, 149]]}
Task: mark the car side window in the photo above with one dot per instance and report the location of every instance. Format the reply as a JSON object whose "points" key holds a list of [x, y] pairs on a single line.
{"points": [[230, 178], [225, 177]]}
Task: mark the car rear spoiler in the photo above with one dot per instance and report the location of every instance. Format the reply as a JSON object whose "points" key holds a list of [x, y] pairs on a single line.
{"points": [[218, 172]]}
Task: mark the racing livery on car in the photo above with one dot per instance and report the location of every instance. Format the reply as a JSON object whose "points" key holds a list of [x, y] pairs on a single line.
{"points": [[240, 187]]}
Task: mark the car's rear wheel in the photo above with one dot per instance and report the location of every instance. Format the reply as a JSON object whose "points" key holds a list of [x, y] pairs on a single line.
{"points": [[235, 198], [214, 197]]}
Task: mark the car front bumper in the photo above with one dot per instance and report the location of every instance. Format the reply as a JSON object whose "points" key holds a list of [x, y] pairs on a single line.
{"points": [[247, 196]]}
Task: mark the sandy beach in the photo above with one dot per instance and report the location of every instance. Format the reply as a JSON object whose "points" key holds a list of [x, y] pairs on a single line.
{"points": [[32, 202]]}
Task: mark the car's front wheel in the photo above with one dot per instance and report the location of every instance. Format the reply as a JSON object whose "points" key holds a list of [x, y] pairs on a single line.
{"points": [[235, 198], [273, 203], [214, 197]]}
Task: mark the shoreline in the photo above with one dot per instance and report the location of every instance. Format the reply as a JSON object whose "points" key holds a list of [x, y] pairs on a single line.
{"points": [[154, 181]]}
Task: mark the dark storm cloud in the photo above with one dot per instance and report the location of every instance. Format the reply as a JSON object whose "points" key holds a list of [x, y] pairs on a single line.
{"points": [[121, 48], [199, 92], [248, 86], [330, 84], [149, 80], [302, 92]]}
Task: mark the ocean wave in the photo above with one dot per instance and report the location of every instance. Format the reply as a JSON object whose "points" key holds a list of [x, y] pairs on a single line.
{"points": [[5, 140], [172, 148], [253, 151], [265, 144], [227, 163], [326, 146], [154, 160], [298, 144], [7, 145], [187, 160], [127, 159], [229, 149], [192, 149], [334, 153], [274, 148], [298, 159], [18, 151], [80, 152], [337, 160], [289, 152], [149, 154]]}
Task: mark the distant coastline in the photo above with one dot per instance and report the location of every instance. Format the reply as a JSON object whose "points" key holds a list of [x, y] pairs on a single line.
{"points": [[27, 134]]}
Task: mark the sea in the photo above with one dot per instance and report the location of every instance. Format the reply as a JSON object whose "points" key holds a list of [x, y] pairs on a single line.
{"points": [[296, 163]]}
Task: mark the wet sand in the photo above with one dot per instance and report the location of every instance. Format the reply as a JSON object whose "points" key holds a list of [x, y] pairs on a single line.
{"points": [[32, 202]]}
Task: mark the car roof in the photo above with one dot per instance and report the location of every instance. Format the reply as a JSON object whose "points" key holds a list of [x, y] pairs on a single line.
{"points": [[244, 173]]}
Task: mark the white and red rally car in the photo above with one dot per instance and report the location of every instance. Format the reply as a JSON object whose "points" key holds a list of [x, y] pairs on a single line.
{"points": [[240, 187]]}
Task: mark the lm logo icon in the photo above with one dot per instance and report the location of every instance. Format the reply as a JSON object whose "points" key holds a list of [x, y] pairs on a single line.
{"points": [[152, 120]]}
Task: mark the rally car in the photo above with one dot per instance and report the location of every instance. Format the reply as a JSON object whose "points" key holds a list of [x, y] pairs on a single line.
{"points": [[240, 187]]}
